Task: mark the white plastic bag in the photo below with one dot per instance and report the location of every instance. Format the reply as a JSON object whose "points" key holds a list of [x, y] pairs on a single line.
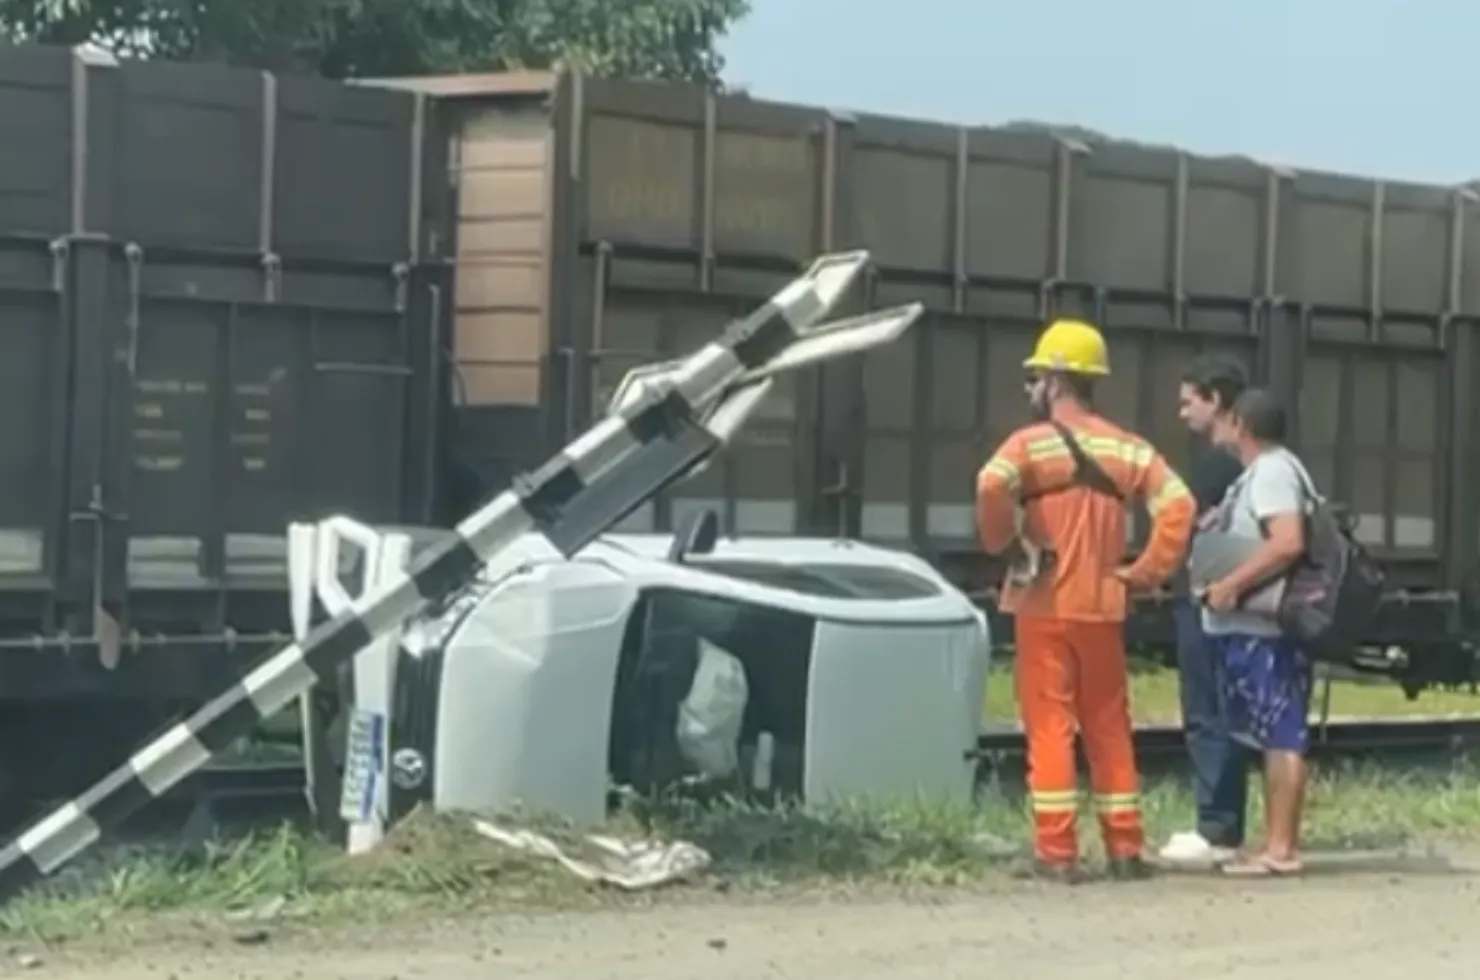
{"points": [[710, 716]]}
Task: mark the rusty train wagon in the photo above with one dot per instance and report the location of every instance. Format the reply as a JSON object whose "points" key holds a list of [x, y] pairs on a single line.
{"points": [[218, 298], [602, 223]]}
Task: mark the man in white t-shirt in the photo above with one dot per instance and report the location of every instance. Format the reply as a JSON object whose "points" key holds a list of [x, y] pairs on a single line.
{"points": [[1266, 676]]}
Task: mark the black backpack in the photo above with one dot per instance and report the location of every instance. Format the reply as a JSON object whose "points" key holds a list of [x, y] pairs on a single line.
{"points": [[1332, 593]]}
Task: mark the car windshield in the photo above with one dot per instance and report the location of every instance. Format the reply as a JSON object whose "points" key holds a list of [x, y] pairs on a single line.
{"points": [[826, 580]]}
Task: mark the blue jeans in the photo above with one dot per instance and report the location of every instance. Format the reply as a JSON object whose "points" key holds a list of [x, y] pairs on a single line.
{"points": [[1219, 765]]}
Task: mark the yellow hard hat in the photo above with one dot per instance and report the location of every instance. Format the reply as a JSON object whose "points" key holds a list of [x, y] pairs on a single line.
{"points": [[1071, 346]]}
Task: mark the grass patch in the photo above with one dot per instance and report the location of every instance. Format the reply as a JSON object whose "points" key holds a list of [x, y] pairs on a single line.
{"points": [[1155, 699], [438, 862]]}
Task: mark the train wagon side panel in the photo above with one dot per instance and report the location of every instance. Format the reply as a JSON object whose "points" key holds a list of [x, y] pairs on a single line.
{"points": [[664, 207], [223, 295]]}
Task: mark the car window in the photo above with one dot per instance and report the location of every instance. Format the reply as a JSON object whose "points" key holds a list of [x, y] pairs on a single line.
{"points": [[833, 581]]}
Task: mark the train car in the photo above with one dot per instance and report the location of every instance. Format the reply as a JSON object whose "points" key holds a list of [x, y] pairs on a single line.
{"points": [[602, 223], [221, 300], [228, 299]]}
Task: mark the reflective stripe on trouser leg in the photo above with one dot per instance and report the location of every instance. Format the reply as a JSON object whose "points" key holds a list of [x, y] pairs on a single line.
{"points": [[1054, 815], [1105, 723], [1045, 693], [1120, 823]]}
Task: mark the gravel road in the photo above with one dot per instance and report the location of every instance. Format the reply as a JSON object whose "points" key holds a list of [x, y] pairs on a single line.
{"points": [[1354, 919]]}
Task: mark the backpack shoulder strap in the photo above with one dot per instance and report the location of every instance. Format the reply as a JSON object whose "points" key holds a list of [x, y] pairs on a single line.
{"points": [[1312, 499], [1307, 486]]}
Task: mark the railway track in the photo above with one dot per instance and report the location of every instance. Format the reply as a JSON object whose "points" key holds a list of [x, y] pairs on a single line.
{"points": [[1399, 743], [1429, 740], [240, 795], [233, 795], [248, 781], [1355, 737], [241, 787]]}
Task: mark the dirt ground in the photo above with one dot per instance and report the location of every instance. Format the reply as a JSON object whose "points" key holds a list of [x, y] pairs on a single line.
{"points": [[1377, 918]]}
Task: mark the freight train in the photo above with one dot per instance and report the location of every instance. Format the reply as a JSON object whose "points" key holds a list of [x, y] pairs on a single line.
{"points": [[232, 299]]}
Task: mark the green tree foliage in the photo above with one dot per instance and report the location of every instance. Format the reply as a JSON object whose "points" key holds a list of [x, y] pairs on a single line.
{"points": [[668, 39]]}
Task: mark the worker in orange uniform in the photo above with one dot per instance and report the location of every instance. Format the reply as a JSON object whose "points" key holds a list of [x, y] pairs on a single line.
{"points": [[1056, 491]]}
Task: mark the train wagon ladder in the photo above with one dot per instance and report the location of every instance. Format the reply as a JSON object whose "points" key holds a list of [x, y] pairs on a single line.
{"points": [[675, 422]]}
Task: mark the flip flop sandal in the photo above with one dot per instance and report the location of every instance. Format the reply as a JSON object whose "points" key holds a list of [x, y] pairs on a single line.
{"points": [[1285, 867], [1262, 866]]}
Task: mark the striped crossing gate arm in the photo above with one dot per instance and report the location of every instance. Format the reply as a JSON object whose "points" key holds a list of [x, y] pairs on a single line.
{"points": [[539, 501]]}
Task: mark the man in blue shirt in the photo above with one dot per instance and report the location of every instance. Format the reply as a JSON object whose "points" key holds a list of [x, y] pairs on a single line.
{"points": [[1220, 778]]}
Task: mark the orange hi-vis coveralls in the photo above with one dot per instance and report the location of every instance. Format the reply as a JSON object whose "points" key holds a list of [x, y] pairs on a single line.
{"points": [[1069, 622]]}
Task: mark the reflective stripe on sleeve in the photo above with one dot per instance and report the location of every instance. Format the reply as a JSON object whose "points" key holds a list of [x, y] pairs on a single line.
{"points": [[1004, 470], [1172, 489]]}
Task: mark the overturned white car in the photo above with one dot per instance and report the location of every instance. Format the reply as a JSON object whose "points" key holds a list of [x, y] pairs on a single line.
{"points": [[770, 667]]}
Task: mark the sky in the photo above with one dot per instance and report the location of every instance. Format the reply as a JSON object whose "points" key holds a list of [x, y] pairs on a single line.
{"points": [[1382, 88]]}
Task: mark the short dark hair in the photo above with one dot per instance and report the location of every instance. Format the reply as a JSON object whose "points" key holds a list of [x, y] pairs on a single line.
{"points": [[1217, 378], [1262, 415]]}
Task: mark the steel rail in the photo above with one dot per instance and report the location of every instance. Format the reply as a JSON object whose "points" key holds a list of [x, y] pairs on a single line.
{"points": [[257, 780], [238, 796], [1357, 737]]}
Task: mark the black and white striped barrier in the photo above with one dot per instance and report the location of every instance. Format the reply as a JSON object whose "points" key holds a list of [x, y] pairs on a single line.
{"points": [[675, 420]]}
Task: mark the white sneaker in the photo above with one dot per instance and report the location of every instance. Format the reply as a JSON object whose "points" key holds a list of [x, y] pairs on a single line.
{"points": [[1190, 847]]}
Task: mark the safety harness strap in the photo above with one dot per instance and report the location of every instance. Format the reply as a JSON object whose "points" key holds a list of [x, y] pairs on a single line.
{"points": [[1087, 472]]}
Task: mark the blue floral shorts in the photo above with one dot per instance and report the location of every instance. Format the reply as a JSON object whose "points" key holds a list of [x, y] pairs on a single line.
{"points": [[1266, 691]]}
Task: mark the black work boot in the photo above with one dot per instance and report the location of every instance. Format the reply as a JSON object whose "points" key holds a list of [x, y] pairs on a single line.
{"points": [[1054, 872], [1128, 869]]}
